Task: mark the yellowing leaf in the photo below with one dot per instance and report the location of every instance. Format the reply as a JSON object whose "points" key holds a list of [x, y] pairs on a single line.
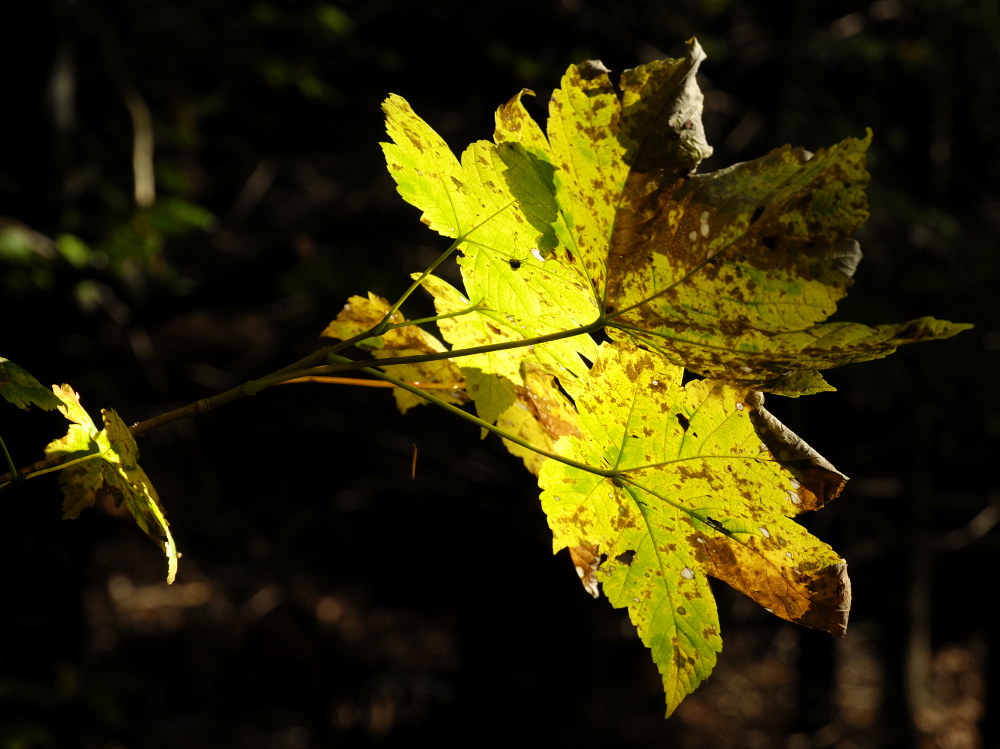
{"points": [[465, 199], [731, 274], [113, 469], [503, 252], [541, 414], [690, 488], [600, 223], [494, 376], [360, 314], [82, 481]]}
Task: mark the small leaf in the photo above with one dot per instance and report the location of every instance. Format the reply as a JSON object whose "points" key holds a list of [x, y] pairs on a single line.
{"points": [[360, 314], [113, 469], [17, 386], [126, 479], [82, 481]]}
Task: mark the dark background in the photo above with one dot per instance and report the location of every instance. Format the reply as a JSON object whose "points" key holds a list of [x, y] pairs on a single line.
{"points": [[325, 597]]}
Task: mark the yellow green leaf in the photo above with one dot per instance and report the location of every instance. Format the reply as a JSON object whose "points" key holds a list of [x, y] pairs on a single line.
{"points": [[691, 487], [360, 314], [731, 274], [494, 376], [113, 469], [602, 221], [503, 251]]}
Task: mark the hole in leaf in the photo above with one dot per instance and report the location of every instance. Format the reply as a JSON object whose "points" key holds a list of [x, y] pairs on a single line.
{"points": [[684, 421], [688, 376], [514, 264], [601, 336], [626, 557], [562, 390]]}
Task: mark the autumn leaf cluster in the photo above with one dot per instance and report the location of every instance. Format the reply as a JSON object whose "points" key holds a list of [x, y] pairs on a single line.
{"points": [[600, 226], [616, 319]]}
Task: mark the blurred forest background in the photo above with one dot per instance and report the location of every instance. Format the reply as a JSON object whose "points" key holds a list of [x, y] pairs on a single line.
{"points": [[190, 191]]}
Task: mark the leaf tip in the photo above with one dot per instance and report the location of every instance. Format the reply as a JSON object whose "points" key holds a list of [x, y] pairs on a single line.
{"points": [[830, 593]]}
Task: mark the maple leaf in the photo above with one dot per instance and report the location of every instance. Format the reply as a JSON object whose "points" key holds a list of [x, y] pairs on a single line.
{"points": [[518, 294], [600, 222], [361, 314], [108, 465], [730, 273], [684, 485]]}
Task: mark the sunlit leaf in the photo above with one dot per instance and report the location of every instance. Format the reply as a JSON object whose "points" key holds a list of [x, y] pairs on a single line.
{"points": [[501, 261], [693, 490], [731, 274], [600, 220], [360, 314], [107, 462]]}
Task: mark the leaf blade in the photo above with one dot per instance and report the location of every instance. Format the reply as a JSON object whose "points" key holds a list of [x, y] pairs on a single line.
{"points": [[114, 469], [675, 508], [361, 314]]}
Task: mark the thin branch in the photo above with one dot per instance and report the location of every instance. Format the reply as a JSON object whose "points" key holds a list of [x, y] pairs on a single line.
{"points": [[487, 426], [362, 382]]}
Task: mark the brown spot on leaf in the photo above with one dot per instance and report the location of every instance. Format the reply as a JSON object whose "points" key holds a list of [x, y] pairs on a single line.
{"points": [[820, 599], [830, 600]]}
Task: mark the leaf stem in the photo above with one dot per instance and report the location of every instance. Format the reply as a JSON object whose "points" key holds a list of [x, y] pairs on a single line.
{"points": [[367, 382], [41, 467], [486, 425], [382, 326], [340, 364], [313, 365], [10, 462], [433, 318]]}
